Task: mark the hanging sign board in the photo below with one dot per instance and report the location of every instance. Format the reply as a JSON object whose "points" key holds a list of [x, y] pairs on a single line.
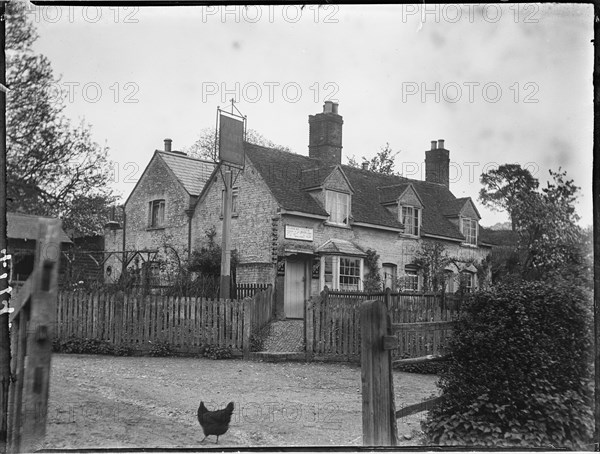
{"points": [[231, 141]]}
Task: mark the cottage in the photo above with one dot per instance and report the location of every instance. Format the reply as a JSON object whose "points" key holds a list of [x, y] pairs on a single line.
{"points": [[306, 222], [157, 214]]}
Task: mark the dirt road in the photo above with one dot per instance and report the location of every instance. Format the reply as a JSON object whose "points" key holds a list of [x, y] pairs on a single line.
{"points": [[121, 402]]}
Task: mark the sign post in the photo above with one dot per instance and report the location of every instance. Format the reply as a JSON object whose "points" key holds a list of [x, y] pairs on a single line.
{"points": [[232, 130], [225, 289]]}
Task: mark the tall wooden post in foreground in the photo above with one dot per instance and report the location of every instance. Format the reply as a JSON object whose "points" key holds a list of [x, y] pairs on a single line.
{"points": [[33, 323], [378, 408], [4, 275]]}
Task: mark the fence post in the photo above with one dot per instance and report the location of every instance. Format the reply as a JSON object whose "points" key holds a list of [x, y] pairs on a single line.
{"points": [[388, 298], [248, 309], [309, 337], [378, 408]]}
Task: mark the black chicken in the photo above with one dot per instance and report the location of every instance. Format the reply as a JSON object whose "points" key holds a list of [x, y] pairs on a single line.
{"points": [[214, 422]]}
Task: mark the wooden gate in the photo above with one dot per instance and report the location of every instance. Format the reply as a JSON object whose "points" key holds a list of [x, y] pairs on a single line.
{"points": [[377, 341], [32, 324]]}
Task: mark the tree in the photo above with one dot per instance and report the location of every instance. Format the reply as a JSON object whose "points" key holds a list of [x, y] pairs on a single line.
{"points": [[204, 147], [550, 242], [50, 163], [432, 260], [504, 185], [382, 162], [372, 282]]}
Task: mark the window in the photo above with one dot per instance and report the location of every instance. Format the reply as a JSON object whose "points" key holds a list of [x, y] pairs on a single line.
{"points": [[234, 202], [469, 230], [410, 219], [389, 276], [337, 204], [468, 281], [449, 277], [342, 273], [151, 272], [349, 274], [411, 278], [156, 213]]}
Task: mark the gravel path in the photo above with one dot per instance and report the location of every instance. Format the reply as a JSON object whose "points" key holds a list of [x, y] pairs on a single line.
{"points": [[124, 402]]}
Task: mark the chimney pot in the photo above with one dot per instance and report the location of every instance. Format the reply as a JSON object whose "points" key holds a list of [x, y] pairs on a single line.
{"points": [[328, 107], [440, 143], [433, 144], [365, 165], [168, 143]]}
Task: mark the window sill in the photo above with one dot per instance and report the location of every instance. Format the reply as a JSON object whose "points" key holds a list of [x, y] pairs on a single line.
{"points": [[233, 215], [409, 235], [341, 226], [162, 227]]}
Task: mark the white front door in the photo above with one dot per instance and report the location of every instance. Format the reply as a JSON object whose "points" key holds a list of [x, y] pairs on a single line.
{"points": [[295, 288]]}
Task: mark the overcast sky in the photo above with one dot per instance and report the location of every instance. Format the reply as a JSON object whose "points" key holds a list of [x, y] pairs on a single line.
{"points": [[500, 83]]}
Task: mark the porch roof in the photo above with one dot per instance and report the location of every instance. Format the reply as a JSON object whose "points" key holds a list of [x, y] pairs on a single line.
{"points": [[341, 247]]}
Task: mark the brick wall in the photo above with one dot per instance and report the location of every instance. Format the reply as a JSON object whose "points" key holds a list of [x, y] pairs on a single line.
{"points": [[391, 247], [251, 226], [157, 182]]}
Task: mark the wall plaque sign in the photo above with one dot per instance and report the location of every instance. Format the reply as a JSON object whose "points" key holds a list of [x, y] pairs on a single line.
{"points": [[292, 232]]}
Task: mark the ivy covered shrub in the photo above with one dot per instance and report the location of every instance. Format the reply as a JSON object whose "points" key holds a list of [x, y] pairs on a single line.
{"points": [[160, 348], [82, 346], [521, 372], [216, 352]]}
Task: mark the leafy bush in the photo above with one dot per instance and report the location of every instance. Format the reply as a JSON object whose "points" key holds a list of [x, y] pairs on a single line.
{"points": [[82, 346], [160, 348], [122, 350], [216, 352], [521, 370], [257, 339]]}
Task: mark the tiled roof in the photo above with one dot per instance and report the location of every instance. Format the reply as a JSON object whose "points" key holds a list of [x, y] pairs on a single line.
{"points": [[285, 175], [335, 246], [191, 172], [25, 227], [389, 194], [453, 207]]}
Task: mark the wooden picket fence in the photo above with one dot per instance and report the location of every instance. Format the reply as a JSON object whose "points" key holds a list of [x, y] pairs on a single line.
{"points": [[185, 323], [248, 290], [333, 322]]}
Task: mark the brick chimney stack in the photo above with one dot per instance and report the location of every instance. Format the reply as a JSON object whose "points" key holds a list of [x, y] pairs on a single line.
{"points": [[325, 135], [437, 163], [168, 143]]}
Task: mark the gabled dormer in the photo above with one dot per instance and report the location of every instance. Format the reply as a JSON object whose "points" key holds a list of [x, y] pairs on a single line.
{"points": [[403, 201], [463, 213], [332, 189], [410, 211]]}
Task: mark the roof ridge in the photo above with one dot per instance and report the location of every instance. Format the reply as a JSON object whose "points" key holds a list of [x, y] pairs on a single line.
{"points": [[170, 153]]}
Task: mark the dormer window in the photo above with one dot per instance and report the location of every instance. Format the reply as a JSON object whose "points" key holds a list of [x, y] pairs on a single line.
{"points": [[411, 218], [469, 229], [337, 204]]}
